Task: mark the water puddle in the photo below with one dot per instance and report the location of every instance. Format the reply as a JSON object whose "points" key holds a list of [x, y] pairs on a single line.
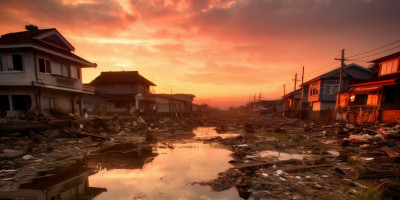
{"points": [[138, 171], [168, 175], [280, 155], [210, 132]]}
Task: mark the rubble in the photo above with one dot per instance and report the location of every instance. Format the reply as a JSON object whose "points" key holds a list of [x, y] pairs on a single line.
{"points": [[333, 159]]}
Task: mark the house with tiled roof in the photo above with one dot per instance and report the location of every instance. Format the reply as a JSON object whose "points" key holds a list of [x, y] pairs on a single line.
{"points": [[120, 92], [39, 71], [375, 99]]}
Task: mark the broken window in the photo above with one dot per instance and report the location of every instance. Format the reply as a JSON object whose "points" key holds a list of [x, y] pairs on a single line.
{"points": [[4, 102], [11, 62], [21, 102], [359, 99], [44, 65], [17, 62]]}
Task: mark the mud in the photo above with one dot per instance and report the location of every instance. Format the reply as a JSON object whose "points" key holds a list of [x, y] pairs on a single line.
{"points": [[272, 157]]}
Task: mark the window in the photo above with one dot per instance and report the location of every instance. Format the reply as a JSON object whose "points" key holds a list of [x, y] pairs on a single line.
{"points": [[331, 87], [389, 67], [21, 102], [11, 62], [314, 89], [56, 68], [66, 70], [73, 72], [44, 65], [4, 102], [372, 99], [17, 62], [359, 99]]}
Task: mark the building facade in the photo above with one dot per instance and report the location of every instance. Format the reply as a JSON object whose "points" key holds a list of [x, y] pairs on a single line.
{"points": [[120, 92], [322, 89], [40, 72], [376, 99]]}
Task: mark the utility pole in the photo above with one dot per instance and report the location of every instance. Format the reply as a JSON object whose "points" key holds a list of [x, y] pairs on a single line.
{"points": [[340, 80], [294, 95], [302, 92], [341, 71], [284, 91]]}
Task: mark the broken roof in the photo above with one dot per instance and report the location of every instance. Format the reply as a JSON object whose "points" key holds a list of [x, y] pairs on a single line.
{"points": [[45, 40], [121, 77]]}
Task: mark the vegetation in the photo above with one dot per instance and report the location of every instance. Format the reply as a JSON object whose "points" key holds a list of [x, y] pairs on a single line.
{"points": [[371, 193]]}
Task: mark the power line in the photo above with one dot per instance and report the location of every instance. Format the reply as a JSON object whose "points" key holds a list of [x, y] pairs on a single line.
{"points": [[322, 71], [373, 54], [374, 49], [321, 67]]}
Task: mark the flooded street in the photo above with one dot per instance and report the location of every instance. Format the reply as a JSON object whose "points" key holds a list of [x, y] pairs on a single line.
{"points": [[170, 174]]}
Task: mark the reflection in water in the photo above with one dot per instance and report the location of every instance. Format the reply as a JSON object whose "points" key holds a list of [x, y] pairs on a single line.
{"points": [[169, 175], [121, 156], [64, 183], [209, 132]]}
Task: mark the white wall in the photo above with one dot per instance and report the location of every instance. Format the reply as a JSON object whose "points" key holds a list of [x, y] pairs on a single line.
{"points": [[24, 77]]}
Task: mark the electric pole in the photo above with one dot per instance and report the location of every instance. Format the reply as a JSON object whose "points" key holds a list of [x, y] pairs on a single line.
{"points": [[284, 93], [294, 95], [340, 81], [302, 92], [341, 71]]}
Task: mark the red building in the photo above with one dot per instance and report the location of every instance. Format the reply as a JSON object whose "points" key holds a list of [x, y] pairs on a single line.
{"points": [[377, 99]]}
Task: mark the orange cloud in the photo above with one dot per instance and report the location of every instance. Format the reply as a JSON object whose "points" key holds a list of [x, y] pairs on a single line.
{"points": [[212, 48]]}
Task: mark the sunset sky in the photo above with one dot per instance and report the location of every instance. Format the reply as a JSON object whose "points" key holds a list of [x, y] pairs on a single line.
{"points": [[220, 50]]}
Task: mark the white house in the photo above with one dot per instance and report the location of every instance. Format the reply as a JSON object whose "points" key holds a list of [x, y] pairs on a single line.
{"points": [[39, 71]]}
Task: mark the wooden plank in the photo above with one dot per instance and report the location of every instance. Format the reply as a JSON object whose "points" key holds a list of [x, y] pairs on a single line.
{"points": [[389, 152], [297, 169]]}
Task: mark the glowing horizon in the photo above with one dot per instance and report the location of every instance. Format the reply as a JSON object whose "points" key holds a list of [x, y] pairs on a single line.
{"points": [[222, 51]]}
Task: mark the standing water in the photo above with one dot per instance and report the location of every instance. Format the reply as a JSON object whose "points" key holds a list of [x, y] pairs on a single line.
{"points": [[169, 175]]}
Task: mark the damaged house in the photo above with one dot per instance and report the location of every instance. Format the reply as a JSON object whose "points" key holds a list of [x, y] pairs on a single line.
{"points": [[378, 98], [120, 92], [39, 71], [174, 103], [322, 90]]}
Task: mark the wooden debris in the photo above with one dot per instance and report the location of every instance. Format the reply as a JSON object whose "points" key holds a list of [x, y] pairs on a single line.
{"points": [[266, 164], [302, 168], [92, 135], [389, 152]]}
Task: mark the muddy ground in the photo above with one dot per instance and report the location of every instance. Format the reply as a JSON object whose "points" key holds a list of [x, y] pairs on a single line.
{"points": [[274, 158]]}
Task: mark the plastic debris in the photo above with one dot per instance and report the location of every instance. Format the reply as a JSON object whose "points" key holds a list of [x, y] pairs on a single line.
{"points": [[27, 157]]}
